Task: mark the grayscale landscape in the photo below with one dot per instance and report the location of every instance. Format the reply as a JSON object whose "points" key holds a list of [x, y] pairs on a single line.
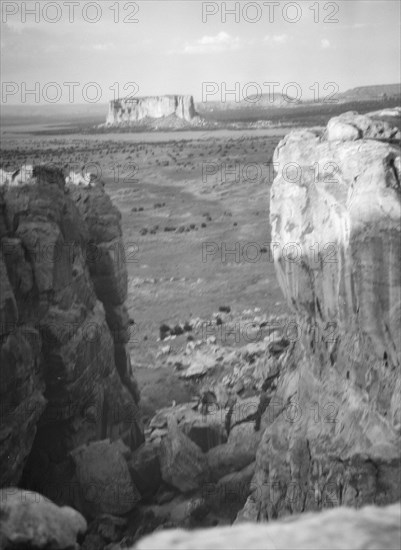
{"points": [[200, 306]]}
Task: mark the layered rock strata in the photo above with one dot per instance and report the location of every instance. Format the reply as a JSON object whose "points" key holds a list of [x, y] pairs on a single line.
{"points": [[332, 432], [132, 110]]}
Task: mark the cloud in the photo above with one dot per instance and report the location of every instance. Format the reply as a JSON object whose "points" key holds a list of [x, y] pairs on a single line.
{"points": [[324, 43], [353, 26], [104, 47], [280, 38], [221, 42], [277, 38], [98, 46]]}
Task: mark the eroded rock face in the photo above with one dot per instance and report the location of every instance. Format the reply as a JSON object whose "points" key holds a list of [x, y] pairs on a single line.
{"points": [[60, 385], [335, 215], [132, 110], [351, 126], [342, 529]]}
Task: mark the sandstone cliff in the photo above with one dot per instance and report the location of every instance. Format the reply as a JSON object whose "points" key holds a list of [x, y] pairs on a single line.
{"points": [[66, 378], [332, 432], [134, 110]]}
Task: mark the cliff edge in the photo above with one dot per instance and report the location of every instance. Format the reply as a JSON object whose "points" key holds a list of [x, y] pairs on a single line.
{"points": [[66, 377], [332, 432]]}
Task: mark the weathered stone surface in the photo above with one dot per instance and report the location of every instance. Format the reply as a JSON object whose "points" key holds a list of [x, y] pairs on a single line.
{"points": [[336, 440], [144, 466], [183, 464], [60, 387], [22, 400], [136, 109], [351, 126], [200, 365], [105, 485], [234, 488], [229, 494], [107, 263], [105, 529], [28, 520], [236, 454], [8, 306], [372, 528]]}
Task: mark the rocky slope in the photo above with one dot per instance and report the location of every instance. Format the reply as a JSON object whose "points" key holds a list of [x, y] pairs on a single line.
{"points": [[66, 379], [134, 110]]}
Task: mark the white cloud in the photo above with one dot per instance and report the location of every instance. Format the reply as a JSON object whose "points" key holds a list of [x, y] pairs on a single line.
{"points": [[276, 38], [104, 47], [98, 47], [211, 44], [351, 26], [325, 43], [280, 38]]}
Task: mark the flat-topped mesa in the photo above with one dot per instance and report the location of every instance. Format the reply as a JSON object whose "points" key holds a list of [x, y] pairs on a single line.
{"points": [[132, 110], [332, 431]]}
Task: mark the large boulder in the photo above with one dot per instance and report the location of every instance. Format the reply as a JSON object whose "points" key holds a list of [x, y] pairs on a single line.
{"points": [[183, 464], [29, 520], [341, 529], [236, 454], [104, 481], [335, 215], [351, 126]]}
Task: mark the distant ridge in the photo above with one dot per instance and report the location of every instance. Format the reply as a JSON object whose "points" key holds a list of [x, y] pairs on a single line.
{"points": [[366, 93], [263, 101]]}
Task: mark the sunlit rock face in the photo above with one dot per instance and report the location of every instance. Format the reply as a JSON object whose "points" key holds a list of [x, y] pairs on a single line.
{"points": [[132, 110], [65, 375], [342, 529], [332, 432]]}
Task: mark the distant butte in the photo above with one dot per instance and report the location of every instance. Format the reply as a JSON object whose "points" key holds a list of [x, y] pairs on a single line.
{"points": [[136, 109]]}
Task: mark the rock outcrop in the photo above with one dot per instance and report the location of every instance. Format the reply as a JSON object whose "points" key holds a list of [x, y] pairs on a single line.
{"points": [[351, 126], [136, 109], [334, 436], [342, 529], [28, 520], [66, 379]]}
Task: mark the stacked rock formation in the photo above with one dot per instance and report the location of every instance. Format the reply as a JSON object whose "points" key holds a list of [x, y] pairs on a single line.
{"points": [[132, 110], [335, 215], [66, 379]]}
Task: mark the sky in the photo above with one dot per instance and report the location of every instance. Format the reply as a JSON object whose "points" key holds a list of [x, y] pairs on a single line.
{"points": [[155, 47]]}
